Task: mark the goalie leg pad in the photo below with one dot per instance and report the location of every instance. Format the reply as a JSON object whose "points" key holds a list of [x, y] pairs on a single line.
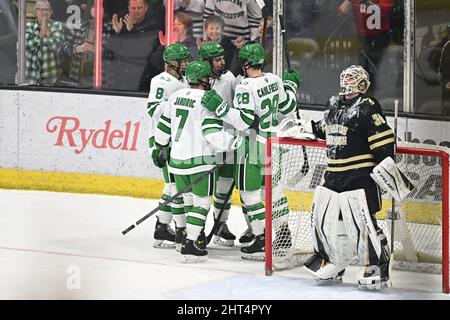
{"points": [[359, 226], [388, 176], [325, 218]]}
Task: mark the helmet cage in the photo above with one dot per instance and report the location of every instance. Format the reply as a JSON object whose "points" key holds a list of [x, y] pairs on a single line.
{"points": [[353, 80]]}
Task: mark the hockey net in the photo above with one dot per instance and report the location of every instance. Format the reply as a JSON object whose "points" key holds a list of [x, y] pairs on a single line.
{"points": [[295, 167]]}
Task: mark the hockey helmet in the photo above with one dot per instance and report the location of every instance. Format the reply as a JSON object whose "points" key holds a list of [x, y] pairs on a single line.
{"points": [[252, 54], [352, 80], [196, 71], [175, 52], [211, 50], [208, 52]]}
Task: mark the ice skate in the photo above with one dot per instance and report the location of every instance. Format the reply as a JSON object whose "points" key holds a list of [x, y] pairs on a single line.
{"points": [[201, 240], [246, 238], [324, 272], [223, 236], [256, 250], [164, 236], [190, 253], [180, 234], [371, 279]]}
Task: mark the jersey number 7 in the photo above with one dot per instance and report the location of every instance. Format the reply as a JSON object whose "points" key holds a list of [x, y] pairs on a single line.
{"points": [[183, 114]]}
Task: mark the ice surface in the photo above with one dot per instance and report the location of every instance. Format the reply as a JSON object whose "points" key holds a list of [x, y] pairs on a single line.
{"points": [[70, 246]]}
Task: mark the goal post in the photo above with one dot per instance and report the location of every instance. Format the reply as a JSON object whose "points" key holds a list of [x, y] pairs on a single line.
{"points": [[422, 227]]}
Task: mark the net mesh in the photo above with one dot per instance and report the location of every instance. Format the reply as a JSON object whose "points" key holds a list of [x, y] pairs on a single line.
{"points": [[297, 170]]}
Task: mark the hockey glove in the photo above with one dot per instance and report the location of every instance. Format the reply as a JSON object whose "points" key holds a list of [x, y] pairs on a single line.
{"points": [[236, 143], [295, 128], [255, 124], [215, 103], [160, 156], [292, 79]]}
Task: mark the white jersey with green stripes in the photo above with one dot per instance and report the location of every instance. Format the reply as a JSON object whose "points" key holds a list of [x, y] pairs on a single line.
{"points": [[225, 86], [195, 133], [161, 88], [264, 97]]}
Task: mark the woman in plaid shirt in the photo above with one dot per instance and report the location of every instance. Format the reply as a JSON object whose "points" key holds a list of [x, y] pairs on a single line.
{"points": [[44, 39]]}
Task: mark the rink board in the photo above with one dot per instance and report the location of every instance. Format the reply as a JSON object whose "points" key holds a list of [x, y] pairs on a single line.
{"points": [[55, 133]]}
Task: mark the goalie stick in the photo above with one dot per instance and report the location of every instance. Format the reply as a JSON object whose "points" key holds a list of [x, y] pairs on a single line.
{"points": [[394, 213]]}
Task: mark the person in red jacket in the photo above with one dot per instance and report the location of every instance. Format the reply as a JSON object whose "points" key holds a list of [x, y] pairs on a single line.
{"points": [[372, 25]]}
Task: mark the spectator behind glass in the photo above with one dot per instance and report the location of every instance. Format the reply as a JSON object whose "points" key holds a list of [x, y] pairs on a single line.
{"points": [[132, 44], [195, 9], [213, 31], [241, 17], [267, 43], [182, 30], [444, 73], [69, 12], [79, 44], [371, 23], [8, 41], [44, 39]]}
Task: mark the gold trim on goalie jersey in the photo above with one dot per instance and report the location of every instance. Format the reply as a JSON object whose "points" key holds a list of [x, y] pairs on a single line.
{"points": [[352, 163], [381, 139]]}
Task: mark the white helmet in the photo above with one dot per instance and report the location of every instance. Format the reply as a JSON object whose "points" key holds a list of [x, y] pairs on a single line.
{"points": [[352, 80]]}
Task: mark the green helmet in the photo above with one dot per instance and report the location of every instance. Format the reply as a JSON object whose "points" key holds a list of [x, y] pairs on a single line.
{"points": [[211, 50], [253, 53], [196, 71], [175, 52]]}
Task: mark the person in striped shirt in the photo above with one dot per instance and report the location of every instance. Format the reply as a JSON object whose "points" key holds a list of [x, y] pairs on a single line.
{"points": [[241, 17]]}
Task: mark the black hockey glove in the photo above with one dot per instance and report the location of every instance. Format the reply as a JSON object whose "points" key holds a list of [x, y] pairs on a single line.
{"points": [[160, 156]]}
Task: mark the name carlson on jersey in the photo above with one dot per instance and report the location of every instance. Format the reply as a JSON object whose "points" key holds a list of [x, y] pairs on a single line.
{"points": [[264, 91]]}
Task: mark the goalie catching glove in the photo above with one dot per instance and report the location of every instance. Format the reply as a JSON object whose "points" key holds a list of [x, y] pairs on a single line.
{"points": [[215, 103], [295, 128], [387, 175]]}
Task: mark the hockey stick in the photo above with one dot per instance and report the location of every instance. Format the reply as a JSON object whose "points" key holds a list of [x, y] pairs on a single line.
{"points": [[305, 167], [219, 216], [394, 213], [186, 188]]}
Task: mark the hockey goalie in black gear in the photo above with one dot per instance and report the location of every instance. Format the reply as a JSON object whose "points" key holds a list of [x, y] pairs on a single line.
{"points": [[358, 138]]}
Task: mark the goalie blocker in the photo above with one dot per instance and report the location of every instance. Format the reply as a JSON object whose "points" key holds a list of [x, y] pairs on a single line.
{"points": [[389, 177]]}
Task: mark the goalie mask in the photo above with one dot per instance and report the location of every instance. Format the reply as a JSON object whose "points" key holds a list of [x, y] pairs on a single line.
{"points": [[352, 80]]}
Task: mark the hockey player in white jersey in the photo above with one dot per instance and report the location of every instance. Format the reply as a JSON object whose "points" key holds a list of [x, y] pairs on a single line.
{"points": [[261, 100], [196, 135], [224, 85], [176, 57]]}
